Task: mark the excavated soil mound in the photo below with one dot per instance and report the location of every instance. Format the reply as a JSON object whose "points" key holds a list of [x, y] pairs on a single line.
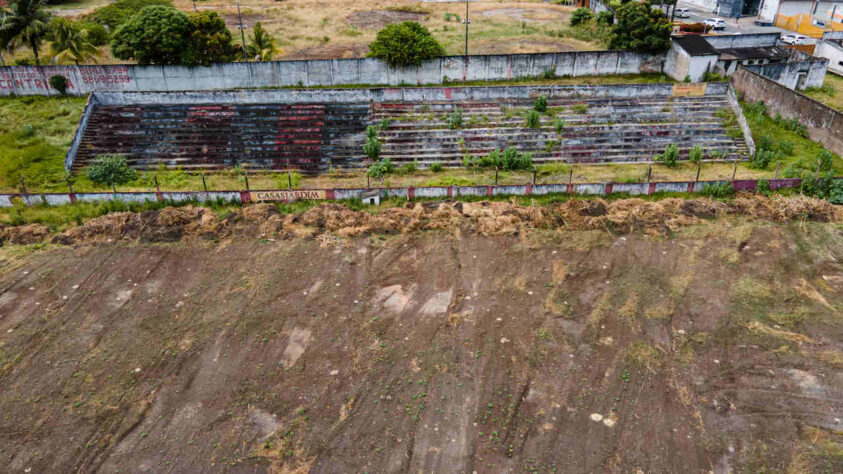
{"points": [[23, 235], [456, 218]]}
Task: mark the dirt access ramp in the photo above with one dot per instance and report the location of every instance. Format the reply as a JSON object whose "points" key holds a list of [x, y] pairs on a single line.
{"points": [[550, 350]]}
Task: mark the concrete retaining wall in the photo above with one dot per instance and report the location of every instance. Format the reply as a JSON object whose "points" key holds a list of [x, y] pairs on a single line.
{"points": [[824, 124], [404, 94], [34, 80], [599, 189]]}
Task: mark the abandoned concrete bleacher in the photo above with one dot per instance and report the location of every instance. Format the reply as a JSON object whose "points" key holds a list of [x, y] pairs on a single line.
{"points": [[206, 136], [314, 131], [594, 130]]}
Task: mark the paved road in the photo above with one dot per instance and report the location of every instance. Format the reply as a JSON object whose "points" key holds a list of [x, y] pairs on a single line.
{"points": [[745, 26]]}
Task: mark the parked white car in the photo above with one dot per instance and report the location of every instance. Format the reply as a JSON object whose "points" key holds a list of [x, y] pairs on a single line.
{"points": [[794, 39], [715, 23], [683, 13]]}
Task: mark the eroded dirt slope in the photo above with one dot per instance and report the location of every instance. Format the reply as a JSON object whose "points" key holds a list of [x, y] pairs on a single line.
{"points": [[717, 349]]}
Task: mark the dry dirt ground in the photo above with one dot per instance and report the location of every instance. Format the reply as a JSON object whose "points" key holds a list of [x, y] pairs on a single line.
{"points": [[509, 340], [320, 29]]}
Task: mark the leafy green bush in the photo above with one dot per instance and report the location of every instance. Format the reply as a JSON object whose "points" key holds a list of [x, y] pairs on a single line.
{"points": [[826, 159], [764, 143], [533, 119], [111, 169], [825, 187], [119, 12], [59, 83], [455, 119], [763, 187], [639, 27], [792, 125], [606, 18], [786, 147], [670, 157], [835, 195], [385, 123], [581, 15], [470, 161], [508, 160], [371, 132], [719, 190], [512, 160], [709, 76], [405, 44], [491, 160], [579, 108], [210, 40], [559, 125], [436, 167], [695, 155], [155, 35], [755, 110], [372, 146], [540, 105], [95, 33], [763, 158], [381, 168], [410, 167]]}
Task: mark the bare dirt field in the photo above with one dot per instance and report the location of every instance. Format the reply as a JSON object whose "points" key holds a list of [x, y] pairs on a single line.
{"points": [[676, 336], [314, 29]]}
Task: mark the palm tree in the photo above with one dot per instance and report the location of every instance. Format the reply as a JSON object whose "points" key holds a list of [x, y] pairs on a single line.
{"points": [[28, 20], [5, 38], [68, 42], [261, 46]]}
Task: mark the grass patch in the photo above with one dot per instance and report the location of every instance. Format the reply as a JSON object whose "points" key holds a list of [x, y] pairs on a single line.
{"points": [[831, 92], [805, 151], [35, 133], [644, 355]]}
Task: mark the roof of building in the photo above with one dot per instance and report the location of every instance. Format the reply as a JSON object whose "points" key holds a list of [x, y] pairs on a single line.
{"points": [[695, 45], [765, 52]]}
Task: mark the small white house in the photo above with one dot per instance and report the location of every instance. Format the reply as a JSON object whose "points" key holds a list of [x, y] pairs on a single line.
{"points": [[831, 48], [690, 57], [371, 198]]}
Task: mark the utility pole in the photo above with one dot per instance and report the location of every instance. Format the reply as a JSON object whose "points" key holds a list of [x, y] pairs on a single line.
{"points": [[467, 21], [242, 34], [194, 6]]}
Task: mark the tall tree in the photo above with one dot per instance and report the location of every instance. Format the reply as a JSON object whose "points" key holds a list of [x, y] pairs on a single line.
{"points": [[639, 27], [27, 20], [155, 35], [405, 44], [210, 40], [67, 42], [261, 45], [5, 37]]}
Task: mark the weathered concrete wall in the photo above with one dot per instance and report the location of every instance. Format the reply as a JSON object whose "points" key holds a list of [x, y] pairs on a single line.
{"points": [[404, 94], [755, 40], [32, 80], [812, 71], [824, 124], [6, 200]]}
